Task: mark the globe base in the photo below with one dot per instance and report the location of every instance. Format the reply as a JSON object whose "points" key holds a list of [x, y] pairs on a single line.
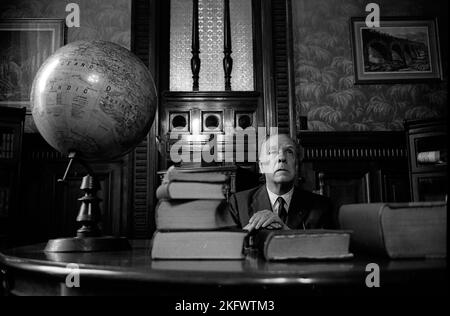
{"points": [[87, 244]]}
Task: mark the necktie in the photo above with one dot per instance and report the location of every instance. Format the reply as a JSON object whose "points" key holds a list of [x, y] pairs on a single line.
{"points": [[282, 213]]}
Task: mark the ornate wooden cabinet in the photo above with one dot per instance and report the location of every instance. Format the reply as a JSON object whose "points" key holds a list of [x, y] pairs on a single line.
{"points": [[427, 148]]}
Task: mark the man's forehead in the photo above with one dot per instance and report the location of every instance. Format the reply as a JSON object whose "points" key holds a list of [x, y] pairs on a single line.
{"points": [[279, 141]]}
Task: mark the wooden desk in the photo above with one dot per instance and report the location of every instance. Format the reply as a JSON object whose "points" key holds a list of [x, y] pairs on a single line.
{"points": [[30, 271]]}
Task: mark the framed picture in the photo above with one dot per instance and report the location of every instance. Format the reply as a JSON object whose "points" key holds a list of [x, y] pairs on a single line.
{"points": [[399, 50], [24, 45]]}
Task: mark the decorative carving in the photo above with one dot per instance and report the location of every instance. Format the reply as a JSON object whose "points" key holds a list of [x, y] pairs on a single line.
{"points": [[195, 60], [179, 121], [212, 121], [227, 60], [352, 146], [243, 120]]}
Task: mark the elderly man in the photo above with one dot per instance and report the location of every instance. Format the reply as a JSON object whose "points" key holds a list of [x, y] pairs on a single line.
{"points": [[279, 204]]}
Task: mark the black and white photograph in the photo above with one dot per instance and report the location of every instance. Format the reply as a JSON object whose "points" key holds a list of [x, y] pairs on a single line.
{"points": [[224, 156]]}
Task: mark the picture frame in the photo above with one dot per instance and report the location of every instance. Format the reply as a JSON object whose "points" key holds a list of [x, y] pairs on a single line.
{"points": [[24, 45], [400, 50]]}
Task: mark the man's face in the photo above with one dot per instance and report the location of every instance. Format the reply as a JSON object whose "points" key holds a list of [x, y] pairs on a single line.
{"points": [[278, 159]]}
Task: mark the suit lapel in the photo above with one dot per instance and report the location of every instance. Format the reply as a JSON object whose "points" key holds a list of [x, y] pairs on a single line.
{"points": [[297, 210], [260, 201]]}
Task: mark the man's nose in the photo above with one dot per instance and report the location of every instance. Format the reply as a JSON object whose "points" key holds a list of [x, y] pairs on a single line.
{"points": [[281, 156]]}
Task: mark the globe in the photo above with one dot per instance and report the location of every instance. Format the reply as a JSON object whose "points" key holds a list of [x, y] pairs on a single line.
{"points": [[94, 98]]}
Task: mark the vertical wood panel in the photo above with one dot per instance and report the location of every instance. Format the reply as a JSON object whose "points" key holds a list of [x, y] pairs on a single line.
{"points": [[280, 64], [145, 156]]}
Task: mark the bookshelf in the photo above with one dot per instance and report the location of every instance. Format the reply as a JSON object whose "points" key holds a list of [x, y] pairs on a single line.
{"points": [[427, 151], [11, 132]]}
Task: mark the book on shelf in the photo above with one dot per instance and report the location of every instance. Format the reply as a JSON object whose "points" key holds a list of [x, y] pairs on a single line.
{"points": [[204, 174], [192, 214], [191, 190], [212, 244], [398, 230], [432, 157], [302, 244]]}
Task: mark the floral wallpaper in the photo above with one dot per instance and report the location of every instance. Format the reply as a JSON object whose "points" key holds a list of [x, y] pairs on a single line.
{"points": [[324, 80], [108, 20]]}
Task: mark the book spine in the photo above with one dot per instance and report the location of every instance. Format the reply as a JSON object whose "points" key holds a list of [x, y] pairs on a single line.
{"points": [[429, 157], [364, 220], [162, 192]]}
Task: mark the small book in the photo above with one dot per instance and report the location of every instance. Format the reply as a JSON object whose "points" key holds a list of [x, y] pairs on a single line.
{"points": [[303, 244], [194, 175], [192, 214], [191, 190], [398, 230], [431, 157], [215, 244]]}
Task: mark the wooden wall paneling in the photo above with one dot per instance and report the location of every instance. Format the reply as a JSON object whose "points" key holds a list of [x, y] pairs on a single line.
{"points": [[355, 167], [148, 46], [280, 64], [11, 140], [393, 182], [49, 208]]}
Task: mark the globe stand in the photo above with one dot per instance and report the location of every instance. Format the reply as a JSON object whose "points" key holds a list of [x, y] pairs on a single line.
{"points": [[88, 237]]}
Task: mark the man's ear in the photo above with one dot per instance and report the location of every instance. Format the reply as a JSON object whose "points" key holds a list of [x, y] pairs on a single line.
{"points": [[262, 166]]}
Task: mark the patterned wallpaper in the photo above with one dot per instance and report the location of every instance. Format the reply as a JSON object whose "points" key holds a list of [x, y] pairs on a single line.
{"points": [[108, 20], [324, 78]]}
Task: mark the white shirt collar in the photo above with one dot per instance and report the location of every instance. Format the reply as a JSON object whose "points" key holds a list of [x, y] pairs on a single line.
{"points": [[287, 197]]}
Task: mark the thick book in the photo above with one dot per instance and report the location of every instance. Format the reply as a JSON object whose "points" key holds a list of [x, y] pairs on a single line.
{"points": [[302, 244], [194, 175], [191, 190], [218, 244], [398, 230], [192, 214]]}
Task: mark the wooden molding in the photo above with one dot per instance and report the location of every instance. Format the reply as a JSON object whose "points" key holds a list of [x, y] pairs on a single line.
{"points": [[352, 146]]}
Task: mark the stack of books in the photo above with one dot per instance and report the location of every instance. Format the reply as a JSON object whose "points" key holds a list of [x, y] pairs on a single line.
{"points": [[191, 217]]}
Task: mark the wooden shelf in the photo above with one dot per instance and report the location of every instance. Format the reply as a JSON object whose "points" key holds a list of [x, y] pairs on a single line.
{"points": [[428, 180]]}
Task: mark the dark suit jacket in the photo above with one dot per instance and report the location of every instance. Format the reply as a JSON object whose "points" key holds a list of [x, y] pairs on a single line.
{"points": [[306, 208]]}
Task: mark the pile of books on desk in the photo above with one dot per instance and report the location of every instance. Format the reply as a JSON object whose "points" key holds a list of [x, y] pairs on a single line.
{"points": [[191, 218]]}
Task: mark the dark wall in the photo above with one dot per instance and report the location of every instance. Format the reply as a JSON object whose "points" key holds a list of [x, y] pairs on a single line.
{"points": [[324, 78]]}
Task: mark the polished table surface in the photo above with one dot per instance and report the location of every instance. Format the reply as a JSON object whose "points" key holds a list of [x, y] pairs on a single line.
{"points": [[31, 271]]}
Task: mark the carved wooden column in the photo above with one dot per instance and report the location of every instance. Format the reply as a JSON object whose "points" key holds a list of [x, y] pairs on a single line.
{"points": [[195, 60], [227, 60]]}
